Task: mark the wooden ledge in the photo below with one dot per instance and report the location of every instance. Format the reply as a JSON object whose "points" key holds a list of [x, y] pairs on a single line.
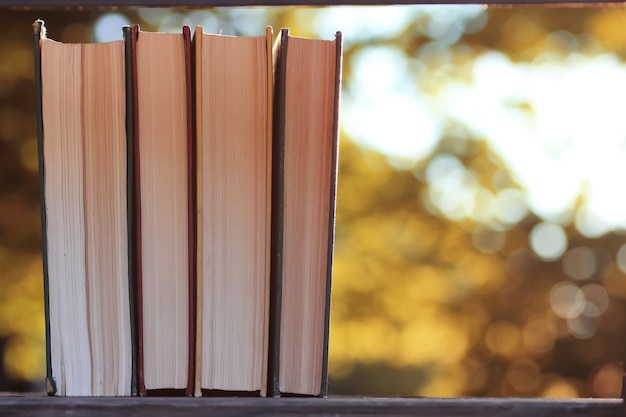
{"points": [[42, 406]]}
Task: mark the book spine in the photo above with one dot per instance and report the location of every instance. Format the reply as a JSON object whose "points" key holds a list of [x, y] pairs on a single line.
{"points": [[268, 243], [191, 212], [332, 210], [197, 72], [130, 126], [136, 213], [278, 188], [39, 33]]}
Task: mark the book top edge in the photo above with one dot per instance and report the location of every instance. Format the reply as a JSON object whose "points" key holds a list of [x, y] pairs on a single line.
{"points": [[80, 43], [305, 39], [200, 29]]}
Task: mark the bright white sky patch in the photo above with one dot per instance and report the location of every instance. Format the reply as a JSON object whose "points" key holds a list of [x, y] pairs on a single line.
{"points": [[385, 110], [359, 23], [559, 125]]}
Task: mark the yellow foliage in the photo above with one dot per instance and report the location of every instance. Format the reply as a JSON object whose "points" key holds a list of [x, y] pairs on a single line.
{"points": [[447, 382], [614, 281], [608, 27], [538, 334], [25, 358], [362, 176], [523, 375], [502, 338], [558, 387], [21, 316], [369, 340], [428, 284], [477, 271], [352, 272], [473, 317], [28, 154], [522, 31], [374, 237], [16, 63], [432, 337]]}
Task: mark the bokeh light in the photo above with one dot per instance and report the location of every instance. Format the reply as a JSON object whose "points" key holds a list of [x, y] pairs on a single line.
{"points": [[580, 263], [108, 27], [567, 300], [548, 241]]}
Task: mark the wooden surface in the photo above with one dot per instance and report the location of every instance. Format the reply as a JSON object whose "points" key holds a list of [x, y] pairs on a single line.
{"points": [[42, 406], [20, 4]]}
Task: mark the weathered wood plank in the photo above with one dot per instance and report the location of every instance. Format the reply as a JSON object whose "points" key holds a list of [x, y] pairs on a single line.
{"points": [[42, 406]]}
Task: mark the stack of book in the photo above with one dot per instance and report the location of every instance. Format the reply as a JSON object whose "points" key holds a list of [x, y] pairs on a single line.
{"points": [[188, 199]]}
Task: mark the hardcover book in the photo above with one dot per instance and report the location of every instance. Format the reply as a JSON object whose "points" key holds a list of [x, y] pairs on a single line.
{"points": [[306, 120], [163, 209], [83, 167], [188, 209], [233, 160]]}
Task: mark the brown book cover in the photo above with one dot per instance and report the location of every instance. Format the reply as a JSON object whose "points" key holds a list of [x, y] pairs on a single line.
{"points": [[130, 181], [137, 216], [282, 172], [191, 209]]}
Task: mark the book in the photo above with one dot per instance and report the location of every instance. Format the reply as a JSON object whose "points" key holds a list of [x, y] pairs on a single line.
{"points": [[188, 202], [164, 210], [305, 148], [83, 169], [233, 158]]}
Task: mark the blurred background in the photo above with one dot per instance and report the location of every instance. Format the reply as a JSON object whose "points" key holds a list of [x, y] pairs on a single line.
{"points": [[481, 212]]}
